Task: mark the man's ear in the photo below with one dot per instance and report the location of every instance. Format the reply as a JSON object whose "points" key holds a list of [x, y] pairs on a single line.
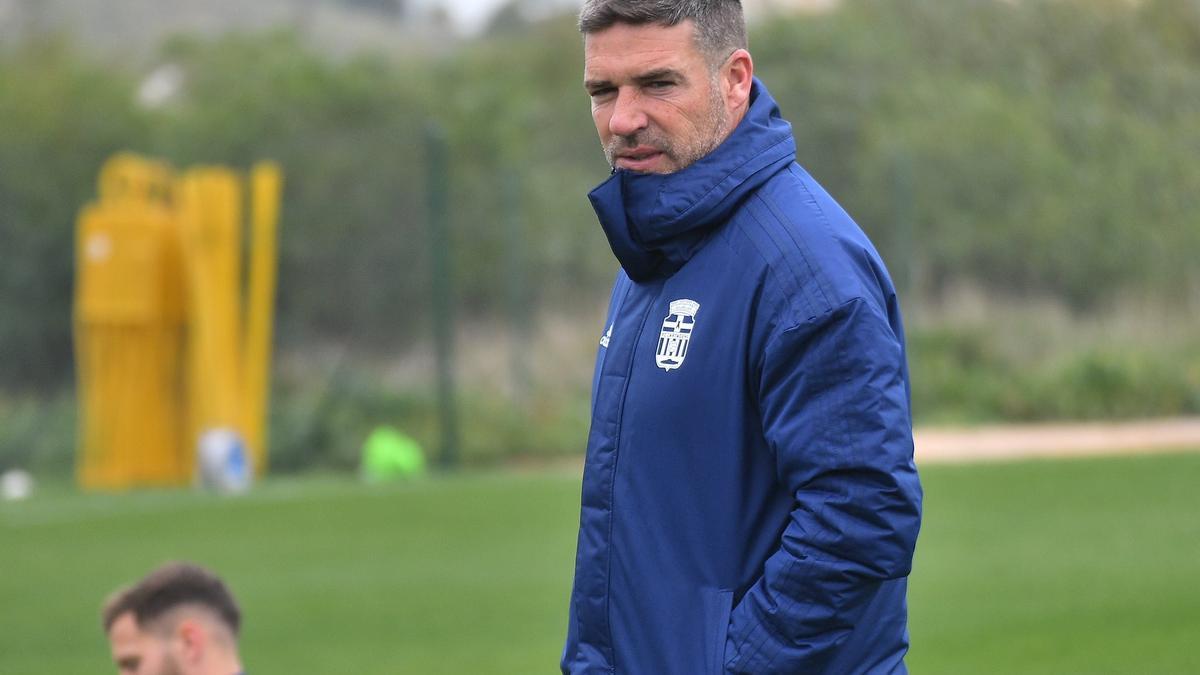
{"points": [[737, 75], [191, 640]]}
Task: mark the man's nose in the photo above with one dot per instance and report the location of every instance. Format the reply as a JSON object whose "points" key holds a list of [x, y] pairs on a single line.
{"points": [[627, 116]]}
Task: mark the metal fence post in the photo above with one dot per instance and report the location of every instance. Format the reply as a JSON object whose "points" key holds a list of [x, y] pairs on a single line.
{"points": [[442, 292], [519, 312]]}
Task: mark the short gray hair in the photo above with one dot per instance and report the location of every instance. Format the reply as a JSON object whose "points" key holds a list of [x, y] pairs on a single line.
{"points": [[720, 25]]}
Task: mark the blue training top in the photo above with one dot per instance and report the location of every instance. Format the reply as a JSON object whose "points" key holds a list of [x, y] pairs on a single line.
{"points": [[750, 503]]}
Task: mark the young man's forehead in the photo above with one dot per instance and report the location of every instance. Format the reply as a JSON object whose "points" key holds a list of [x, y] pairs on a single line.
{"points": [[125, 624], [128, 642]]}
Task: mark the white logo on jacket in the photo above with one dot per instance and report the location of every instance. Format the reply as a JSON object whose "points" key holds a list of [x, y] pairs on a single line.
{"points": [[676, 334], [606, 337]]}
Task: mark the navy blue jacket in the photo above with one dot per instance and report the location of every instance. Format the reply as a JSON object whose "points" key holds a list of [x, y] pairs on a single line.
{"points": [[750, 503]]}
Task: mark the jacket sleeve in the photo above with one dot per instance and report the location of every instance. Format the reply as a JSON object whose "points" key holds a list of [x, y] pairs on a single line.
{"points": [[834, 402]]}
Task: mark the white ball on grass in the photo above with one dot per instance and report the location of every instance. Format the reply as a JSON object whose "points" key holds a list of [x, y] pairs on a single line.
{"points": [[16, 485]]}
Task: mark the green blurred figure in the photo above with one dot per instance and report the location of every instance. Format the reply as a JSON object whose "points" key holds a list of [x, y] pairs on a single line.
{"points": [[389, 454]]}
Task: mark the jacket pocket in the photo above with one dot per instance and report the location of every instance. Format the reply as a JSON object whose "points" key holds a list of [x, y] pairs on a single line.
{"points": [[718, 604]]}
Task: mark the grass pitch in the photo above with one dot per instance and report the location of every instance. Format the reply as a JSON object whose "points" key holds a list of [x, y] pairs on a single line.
{"points": [[1081, 566]]}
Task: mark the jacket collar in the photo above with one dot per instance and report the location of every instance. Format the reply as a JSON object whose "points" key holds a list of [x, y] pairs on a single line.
{"points": [[655, 222]]}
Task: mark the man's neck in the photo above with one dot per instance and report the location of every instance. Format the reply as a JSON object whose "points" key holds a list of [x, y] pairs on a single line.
{"points": [[735, 118]]}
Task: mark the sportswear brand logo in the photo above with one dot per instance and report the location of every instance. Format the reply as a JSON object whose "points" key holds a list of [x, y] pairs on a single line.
{"points": [[676, 334], [606, 337]]}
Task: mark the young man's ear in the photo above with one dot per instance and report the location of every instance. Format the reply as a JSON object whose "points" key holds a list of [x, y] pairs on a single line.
{"points": [[191, 640]]}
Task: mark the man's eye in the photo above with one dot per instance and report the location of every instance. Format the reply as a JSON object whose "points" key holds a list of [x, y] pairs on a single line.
{"points": [[661, 84], [600, 93]]}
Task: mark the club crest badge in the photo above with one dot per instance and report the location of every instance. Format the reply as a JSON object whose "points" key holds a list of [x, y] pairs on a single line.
{"points": [[676, 334]]}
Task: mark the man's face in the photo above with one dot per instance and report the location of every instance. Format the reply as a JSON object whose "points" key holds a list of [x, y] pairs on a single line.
{"points": [[140, 652], [656, 102]]}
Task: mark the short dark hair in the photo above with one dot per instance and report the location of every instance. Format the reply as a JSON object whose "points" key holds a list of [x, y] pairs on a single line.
{"points": [[720, 25], [169, 587]]}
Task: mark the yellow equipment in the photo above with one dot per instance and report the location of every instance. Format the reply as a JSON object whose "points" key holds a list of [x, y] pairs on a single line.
{"points": [[162, 354]]}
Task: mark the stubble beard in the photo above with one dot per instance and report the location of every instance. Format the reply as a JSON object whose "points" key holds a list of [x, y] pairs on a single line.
{"points": [[682, 153], [170, 666]]}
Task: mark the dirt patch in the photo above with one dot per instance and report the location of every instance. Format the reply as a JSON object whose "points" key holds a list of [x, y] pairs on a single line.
{"points": [[995, 443]]}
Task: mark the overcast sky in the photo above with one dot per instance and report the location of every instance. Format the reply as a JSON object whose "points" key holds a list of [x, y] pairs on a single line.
{"points": [[472, 15]]}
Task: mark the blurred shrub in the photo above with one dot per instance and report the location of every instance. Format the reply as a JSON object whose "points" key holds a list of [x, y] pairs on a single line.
{"points": [[323, 422], [956, 375], [38, 434], [1100, 385], [60, 118], [962, 376], [1036, 147]]}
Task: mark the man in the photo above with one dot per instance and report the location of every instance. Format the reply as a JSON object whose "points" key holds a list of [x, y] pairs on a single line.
{"points": [[750, 503], [179, 620]]}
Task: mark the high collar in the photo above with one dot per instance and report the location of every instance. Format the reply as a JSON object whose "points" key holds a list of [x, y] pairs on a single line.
{"points": [[655, 222]]}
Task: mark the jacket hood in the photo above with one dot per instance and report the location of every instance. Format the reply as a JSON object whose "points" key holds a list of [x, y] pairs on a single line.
{"points": [[655, 222]]}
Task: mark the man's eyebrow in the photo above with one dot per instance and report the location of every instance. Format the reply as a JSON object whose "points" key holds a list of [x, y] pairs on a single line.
{"points": [[660, 74], [643, 78]]}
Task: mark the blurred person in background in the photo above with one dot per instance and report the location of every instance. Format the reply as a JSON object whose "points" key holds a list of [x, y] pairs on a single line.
{"points": [[750, 502], [180, 619]]}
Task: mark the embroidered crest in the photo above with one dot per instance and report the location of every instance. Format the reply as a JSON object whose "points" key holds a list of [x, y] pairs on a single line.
{"points": [[676, 334]]}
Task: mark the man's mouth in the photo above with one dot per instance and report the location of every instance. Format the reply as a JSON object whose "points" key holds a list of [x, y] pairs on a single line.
{"points": [[637, 158]]}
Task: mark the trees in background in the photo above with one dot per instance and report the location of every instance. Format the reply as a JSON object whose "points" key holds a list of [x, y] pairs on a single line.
{"points": [[1038, 148]]}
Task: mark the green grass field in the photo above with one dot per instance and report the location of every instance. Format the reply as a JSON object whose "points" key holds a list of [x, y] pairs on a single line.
{"points": [[1082, 566]]}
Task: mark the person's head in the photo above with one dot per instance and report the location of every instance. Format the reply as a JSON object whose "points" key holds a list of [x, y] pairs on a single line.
{"points": [[669, 79], [178, 620]]}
